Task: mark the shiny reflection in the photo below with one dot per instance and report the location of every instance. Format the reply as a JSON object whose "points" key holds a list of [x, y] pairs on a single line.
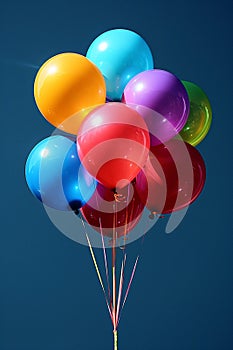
{"points": [[161, 98], [200, 115], [120, 54]]}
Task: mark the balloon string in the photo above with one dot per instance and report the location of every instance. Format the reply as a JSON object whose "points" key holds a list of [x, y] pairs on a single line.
{"points": [[126, 219], [121, 283], [105, 261], [97, 268], [131, 279], [104, 252], [98, 274], [120, 287], [114, 297], [114, 271], [128, 288], [127, 213]]}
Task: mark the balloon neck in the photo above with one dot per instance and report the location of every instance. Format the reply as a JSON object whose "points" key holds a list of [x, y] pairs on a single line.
{"points": [[76, 212], [119, 197], [134, 181], [152, 215]]}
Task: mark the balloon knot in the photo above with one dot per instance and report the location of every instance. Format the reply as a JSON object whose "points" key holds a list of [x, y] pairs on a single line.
{"points": [[119, 197], [154, 213], [151, 216], [76, 211]]}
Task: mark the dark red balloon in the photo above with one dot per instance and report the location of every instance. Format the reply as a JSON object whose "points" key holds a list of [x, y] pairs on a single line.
{"points": [[175, 174], [122, 210]]}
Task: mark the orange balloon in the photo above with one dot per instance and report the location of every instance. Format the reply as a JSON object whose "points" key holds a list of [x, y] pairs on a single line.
{"points": [[67, 85]]}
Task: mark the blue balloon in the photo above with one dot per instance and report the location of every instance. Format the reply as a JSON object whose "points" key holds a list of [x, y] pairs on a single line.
{"points": [[120, 54], [78, 184], [45, 175]]}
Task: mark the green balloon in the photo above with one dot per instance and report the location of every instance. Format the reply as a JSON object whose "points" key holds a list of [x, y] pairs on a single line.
{"points": [[200, 115]]}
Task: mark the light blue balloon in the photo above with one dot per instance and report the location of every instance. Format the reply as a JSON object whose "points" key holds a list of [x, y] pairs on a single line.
{"points": [[78, 184], [44, 173], [120, 54]]}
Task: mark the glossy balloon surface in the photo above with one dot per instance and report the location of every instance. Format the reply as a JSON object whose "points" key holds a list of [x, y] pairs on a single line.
{"points": [[120, 54], [113, 144], [65, 85], [200, 115], [78, 184], [176, 175], [163, 93], [48, 173]]}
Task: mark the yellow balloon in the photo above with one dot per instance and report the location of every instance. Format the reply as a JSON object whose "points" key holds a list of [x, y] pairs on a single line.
{"points": [[66, 87]]}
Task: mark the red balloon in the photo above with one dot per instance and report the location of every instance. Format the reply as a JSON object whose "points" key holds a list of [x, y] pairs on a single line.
{"points": [[113, 144], [175, 174], [106, 209]]}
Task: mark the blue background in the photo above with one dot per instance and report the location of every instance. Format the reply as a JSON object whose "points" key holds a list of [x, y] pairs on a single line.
{"points": [[182, 295]]}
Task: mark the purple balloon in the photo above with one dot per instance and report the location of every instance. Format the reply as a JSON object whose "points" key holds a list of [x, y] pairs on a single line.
{"points": [[161, 99]]}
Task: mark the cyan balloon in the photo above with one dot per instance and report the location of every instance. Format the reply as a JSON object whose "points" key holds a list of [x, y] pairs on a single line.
{"points": [[119, 54], [45, 174]]}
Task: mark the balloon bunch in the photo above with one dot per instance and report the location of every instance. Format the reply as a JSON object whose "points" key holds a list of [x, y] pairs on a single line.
{"points": [[129, 132]]}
